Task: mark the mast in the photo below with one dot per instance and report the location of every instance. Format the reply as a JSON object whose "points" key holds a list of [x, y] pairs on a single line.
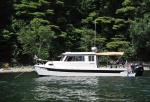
{"points": [[95, 34], [94, 49]]}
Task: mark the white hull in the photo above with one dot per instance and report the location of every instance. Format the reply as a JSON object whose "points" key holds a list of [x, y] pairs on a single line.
{"points": [[45, 72]]}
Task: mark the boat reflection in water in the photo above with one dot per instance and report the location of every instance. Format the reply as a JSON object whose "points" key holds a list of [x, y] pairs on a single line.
{"points": [[65, 88], [90, 89]]}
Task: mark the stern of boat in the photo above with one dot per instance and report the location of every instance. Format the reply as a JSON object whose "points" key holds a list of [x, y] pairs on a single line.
{"points": [[138, 69]]}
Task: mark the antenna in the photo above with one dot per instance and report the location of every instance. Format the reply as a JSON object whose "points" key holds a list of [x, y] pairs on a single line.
{"points": [[94, 49], [95, 34]]}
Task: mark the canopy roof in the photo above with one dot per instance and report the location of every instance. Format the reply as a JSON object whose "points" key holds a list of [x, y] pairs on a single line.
{"points": [[110, 54]]}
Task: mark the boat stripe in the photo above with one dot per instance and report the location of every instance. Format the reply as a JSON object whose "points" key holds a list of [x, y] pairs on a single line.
{"points": [[84, 71]]}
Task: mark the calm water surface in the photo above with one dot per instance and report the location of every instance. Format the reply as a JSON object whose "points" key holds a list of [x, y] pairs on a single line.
{"points": [[28, 87]]}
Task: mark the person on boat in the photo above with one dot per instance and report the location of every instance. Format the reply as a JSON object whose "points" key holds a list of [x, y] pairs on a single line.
{"points": [[129, 69], [35, 58], [113, 64], [117, 63], [124, 63]]}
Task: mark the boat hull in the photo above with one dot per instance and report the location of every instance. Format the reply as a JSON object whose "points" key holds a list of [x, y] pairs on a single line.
{"points": [[43, 71]]}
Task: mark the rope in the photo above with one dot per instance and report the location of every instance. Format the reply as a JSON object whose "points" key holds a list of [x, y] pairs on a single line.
{"points": [[19, 74]]}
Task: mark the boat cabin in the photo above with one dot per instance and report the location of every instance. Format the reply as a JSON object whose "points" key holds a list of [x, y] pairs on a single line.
{"points": [[79, 56], [82, 59], [77, 60]]}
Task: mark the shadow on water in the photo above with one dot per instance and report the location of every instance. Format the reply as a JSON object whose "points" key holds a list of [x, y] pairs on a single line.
{"points": [[28, 87]]}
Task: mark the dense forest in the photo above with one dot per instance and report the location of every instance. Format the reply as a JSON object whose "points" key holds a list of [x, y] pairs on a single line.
{"points": [[50, 27]]}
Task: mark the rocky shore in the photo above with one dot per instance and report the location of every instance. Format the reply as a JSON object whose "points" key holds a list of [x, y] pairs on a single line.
{"points": [[15, 70]]}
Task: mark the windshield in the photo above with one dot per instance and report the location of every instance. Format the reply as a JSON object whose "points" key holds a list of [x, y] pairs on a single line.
{"points": [[62, 57]]}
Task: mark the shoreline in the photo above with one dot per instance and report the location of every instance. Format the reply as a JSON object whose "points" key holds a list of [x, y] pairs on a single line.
{"points": [[16, 70]]}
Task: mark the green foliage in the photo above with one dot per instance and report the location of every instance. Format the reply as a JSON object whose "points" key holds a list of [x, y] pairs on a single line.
{"points": [[126, 10], [36, 38], [86, 39], [140, 34], [5, 65], [6, 34], [127, 2], [100, 43], [24, 7], [36, 22], [140, 31], [118, 44], [127, 13], [119, 23], [129, 53], [44, 26], [103, 61], [106, 19], [89, 18], [43, 2], [86, 5]]}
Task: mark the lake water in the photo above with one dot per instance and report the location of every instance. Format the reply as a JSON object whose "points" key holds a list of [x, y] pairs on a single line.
{"points": [[29, 87]]}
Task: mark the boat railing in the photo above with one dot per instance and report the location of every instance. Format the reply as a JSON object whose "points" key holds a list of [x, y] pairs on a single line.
{"points": [[115, 66], [41, 61]]}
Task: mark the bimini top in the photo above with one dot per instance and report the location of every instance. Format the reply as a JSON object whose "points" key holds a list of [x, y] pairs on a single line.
{"points": [[110, 54], [79, 53]]}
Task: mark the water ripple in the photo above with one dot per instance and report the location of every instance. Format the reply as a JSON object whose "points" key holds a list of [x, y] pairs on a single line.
{"points": [[31, 88]]}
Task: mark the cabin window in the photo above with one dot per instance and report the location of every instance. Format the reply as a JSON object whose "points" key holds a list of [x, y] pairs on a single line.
{"points": [[69, 58], [75, 58], [79, 58], [91, 58]]}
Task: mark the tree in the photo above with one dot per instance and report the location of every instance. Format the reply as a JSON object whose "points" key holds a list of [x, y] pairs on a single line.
{"points": [[86, 39], [36, 38], [125, 15], [33, 25], [69, 25], [130, 10], [140, 34], [118, 44], [7, 39]]}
